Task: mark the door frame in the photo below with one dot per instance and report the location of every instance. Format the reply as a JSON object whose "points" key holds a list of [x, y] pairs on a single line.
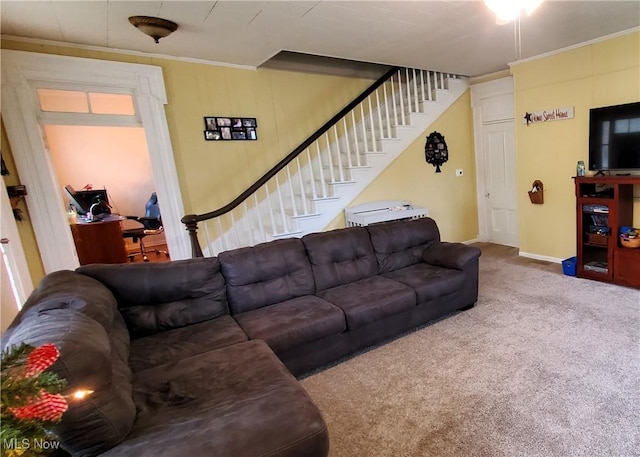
{"points": [[13, 252], [24, 72], [485, 113]]}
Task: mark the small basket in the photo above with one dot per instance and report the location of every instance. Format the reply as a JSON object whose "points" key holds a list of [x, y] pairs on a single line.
{"points": [[537, 197], [630, 242], [595, 238]]}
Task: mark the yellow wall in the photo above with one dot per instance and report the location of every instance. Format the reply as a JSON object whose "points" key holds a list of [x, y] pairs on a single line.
{"points": [[451, 200], [289, 106], [600, 74]]}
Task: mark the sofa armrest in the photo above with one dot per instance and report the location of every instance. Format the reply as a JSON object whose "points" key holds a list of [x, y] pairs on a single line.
{"points": [[450, 255], [79, 315]]}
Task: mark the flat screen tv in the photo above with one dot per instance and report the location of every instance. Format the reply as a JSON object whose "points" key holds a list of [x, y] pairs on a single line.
{"points": [[614, 137]]}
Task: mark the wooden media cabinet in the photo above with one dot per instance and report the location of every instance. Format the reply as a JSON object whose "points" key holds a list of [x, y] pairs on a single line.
{"points": [[604, 204]]}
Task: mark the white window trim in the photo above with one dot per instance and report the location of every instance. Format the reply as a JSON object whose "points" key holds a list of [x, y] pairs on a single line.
{"points": [[22, 73]]}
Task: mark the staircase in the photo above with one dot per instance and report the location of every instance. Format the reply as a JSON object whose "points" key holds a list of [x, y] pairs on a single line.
{"points": [[316, 182]]}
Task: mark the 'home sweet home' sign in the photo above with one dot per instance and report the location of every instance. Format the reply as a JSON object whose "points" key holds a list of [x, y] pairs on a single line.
{"points": [[558, 114]]}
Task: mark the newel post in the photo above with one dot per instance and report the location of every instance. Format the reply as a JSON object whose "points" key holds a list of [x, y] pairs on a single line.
{"points": [[191, 222]]}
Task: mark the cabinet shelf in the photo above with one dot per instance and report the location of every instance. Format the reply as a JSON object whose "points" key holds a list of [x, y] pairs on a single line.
{"points": [[595, 275], [592, 199], [593, 245], [605, 203]]}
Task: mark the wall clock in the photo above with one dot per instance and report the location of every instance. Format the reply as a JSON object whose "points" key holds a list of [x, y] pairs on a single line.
{"points": [[436, 151]]}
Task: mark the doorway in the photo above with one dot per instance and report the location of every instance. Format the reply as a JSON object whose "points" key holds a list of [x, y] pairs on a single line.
{"points": [[494, 131], [499, 182], [15, 280], [23, 74], [110, 159]]}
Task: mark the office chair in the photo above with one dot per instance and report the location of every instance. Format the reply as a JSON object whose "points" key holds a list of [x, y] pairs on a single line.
{"points": [[151, 225]]}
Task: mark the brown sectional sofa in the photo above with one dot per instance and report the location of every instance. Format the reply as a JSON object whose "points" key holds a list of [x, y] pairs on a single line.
{"points": [[196, 357]]}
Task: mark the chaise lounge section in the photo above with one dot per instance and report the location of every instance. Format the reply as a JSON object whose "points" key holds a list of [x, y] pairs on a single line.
{"points": [[200, 355]]}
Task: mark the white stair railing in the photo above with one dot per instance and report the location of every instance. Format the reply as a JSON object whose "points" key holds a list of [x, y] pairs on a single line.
{"points": [[345, 148]]}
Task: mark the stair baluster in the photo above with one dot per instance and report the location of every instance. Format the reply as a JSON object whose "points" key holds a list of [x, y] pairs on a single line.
{"points": [[347, 142], [303, 190], [337, 147]]}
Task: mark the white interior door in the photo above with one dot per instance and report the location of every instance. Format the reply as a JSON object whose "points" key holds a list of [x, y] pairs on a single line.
{"points": [[494, 132], [9, 302], [500, 186], [15, 280]]}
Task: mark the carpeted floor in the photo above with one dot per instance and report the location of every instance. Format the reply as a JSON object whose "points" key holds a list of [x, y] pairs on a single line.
{"points": [[544, 365]]}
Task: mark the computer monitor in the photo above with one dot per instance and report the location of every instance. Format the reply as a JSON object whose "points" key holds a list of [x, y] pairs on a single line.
{"points": [[82, 200]]}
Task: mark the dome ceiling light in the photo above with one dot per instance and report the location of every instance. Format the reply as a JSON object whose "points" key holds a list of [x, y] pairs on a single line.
{"points": [[155, 27]]}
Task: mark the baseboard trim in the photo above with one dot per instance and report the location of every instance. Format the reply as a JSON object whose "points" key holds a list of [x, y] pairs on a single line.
{"points": [[475, 240], [540, 257]]}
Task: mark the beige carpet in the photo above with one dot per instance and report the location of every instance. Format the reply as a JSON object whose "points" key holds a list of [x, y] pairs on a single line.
{"points": [[544, 365]]}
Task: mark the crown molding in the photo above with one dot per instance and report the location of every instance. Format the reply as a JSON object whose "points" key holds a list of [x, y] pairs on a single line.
{"points": [[575, 46], [86, 47], [489, 77]]}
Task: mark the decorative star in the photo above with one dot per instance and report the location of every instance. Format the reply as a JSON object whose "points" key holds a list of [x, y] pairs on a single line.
{"points": [[527, 117]]}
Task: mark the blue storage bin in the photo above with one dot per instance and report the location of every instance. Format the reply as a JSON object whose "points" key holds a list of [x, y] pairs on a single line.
{"points": [[569, 266]]}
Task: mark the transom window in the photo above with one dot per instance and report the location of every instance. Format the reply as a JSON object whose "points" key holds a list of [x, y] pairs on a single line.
{"points": [[69, 101]]}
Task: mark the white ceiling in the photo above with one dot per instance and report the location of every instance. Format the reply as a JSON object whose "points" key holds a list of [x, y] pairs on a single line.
{"points": [[451, 36]]}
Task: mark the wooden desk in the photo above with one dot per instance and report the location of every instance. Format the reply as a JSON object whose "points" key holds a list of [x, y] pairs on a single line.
{"points": [[99, 242]]}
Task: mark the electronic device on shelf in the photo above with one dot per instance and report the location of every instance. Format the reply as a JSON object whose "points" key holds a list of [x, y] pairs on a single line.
{"points": [[94, 202], [600, 267], [614, 137]]}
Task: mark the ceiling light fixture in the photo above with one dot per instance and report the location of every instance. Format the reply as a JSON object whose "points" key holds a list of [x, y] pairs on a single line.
{"points": [[508, 10], [155, 27]]}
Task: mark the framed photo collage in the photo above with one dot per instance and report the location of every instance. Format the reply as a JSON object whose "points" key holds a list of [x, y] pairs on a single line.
{"points": [[230, 128]]}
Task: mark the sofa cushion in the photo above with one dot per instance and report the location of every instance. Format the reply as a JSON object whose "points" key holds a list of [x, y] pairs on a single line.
{"points": [[429, 281], [401, 243], [180, 343], [78, 314], [293, 322], [340, 256], [160, 296], [266, 273], [238, 401], [370, 299]]}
